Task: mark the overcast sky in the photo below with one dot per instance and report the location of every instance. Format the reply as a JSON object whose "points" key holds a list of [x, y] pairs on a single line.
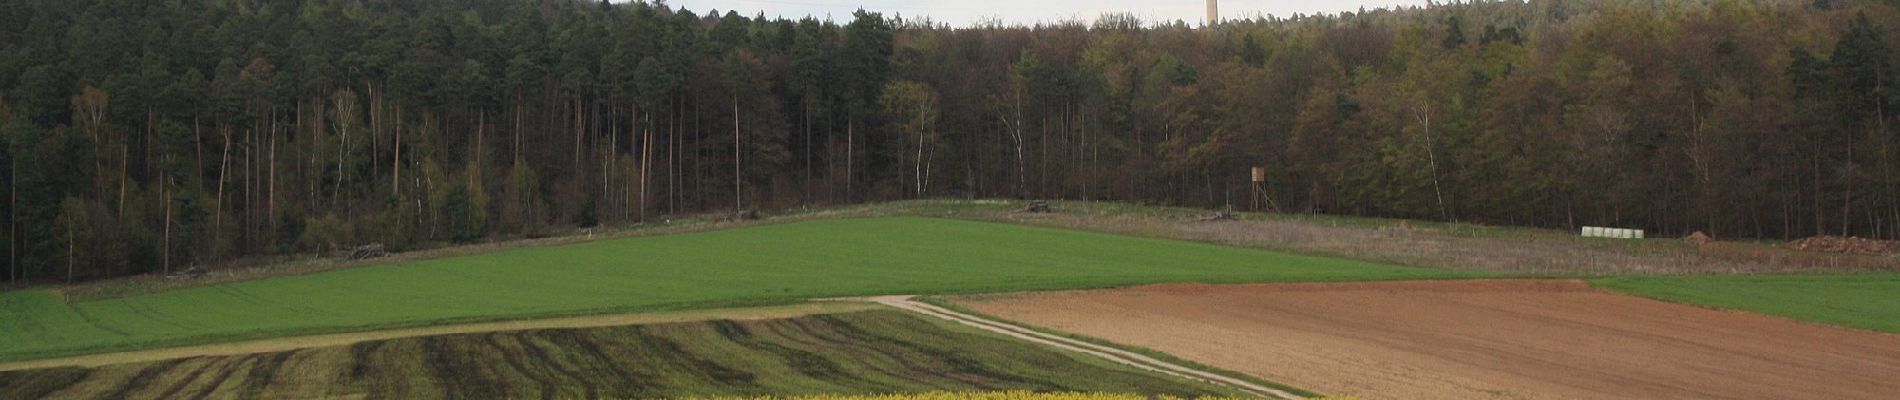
{"points": [[964, 12]]}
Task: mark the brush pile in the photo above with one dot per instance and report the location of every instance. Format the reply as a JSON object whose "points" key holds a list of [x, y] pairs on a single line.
{"points": [[1848, 245]]}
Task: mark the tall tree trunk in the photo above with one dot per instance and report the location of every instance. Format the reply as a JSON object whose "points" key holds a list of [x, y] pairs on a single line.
{"points": [[646, 164], [580, 126], [395, 167], [850, 154], [217, 210], [481, 133], [519, 108], [165, 196], [1081, 160], [738, 192], [342, 159], [1015, 132], [375, 132], [13, 219], [72, 242], [1820, 224], [611, 201], [1022, 166], [270, 197], [1847, 201], [675, 126], [917, 164], [125, 165], [1424, 116], [197, 146], [808, 175]]}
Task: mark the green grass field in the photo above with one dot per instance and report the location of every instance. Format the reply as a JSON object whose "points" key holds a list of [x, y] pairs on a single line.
{"points": [[1870, 301], [749, 266], [866, 352]]}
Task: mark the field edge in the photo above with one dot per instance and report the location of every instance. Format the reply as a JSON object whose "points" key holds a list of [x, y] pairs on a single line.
{"points": [[939, 301]]}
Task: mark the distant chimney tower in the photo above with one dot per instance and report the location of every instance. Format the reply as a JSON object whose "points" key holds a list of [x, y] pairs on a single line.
{"points": [[1213, 12]]}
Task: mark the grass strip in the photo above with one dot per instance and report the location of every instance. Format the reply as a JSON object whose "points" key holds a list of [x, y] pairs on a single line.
{"points": [[1862, 301]]}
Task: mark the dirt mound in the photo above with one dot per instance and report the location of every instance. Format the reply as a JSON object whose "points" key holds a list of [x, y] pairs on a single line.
{"points": [[1535, 339], [1698, 238], [1850, 245]]}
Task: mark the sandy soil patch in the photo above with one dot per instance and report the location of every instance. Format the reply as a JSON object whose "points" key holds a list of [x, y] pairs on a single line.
{"points": [[1476, 339]]}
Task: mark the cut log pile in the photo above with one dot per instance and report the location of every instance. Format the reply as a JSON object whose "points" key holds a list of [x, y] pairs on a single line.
{"points": [[1037, 206], [187, 274], [743, 215], [365, 252], [1220, 215], [1849, 245]]}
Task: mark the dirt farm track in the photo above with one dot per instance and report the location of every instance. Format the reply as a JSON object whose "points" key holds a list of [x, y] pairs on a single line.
{"points": [[1475, 339]]}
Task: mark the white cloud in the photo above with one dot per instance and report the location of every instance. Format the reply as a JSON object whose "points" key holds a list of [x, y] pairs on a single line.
{"points": [[963, 13]]}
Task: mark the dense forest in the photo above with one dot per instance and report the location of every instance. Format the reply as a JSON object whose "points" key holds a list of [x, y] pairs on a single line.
{"points": [[148, 136]]}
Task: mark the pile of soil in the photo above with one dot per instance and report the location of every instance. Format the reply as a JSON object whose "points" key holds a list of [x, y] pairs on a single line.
{"points": [[1698, 238], [1850, 245]]}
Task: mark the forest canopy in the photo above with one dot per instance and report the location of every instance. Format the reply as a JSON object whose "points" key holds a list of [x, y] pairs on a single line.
{"points": [[146, 136]]}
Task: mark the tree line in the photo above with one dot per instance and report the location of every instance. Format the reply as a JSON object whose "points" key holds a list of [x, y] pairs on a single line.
{"points": [[145, 137]]}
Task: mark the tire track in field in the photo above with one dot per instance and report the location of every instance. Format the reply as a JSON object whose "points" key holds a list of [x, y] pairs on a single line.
{"points": [[631, 383], [83, 316], [1111, 354], [140, 307], [867, 351], [18, 385], [190, 377], [143, 378], [696, 365], [778, 328], [972, 371], [573, 377], [224, 374], [514, 360], [910, 368], [247, 297], [352, 338], [805, 363], [259, 377]]}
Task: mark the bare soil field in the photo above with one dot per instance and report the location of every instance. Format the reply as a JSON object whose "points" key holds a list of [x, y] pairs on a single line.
{"points": [[1474, 339]]}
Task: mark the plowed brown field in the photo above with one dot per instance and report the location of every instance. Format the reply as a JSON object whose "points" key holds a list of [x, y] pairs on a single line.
{"points": [[1475, 339]]}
